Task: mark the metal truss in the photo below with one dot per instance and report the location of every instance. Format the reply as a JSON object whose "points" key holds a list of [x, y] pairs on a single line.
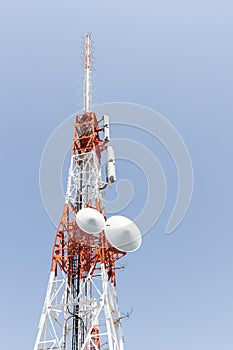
{"points": [[84, 180], [94, 311], [81, 310]]}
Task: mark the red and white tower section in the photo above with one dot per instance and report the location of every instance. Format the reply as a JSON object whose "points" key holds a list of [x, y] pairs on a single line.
{"points": [[81, 309]]}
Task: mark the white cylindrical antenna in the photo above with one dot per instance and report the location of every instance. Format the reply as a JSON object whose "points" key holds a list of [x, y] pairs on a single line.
{"points": [[87, 78], [111, 172], [110, 167], [110, 154], [106, 128]]}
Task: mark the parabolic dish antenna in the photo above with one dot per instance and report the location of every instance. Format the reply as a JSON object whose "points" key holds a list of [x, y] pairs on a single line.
{"points": [[123, 234], [90, 220]]}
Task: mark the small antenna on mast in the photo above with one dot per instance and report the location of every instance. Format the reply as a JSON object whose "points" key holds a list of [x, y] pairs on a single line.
{"points": [[87, 78]]}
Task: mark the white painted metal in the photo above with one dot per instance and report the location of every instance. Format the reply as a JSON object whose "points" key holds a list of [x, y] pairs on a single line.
{"points": [[84, 181], [97, 298], [87, 96], [110, 166]]}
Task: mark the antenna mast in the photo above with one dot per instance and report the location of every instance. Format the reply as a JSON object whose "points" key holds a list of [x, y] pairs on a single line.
{"points": [[87, 78]]}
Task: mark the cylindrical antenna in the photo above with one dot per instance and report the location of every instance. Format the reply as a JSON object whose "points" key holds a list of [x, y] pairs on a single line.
{"points": [[87, 78]]}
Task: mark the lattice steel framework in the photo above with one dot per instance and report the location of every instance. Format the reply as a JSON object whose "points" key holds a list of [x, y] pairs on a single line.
{"points": [[81, 308]]}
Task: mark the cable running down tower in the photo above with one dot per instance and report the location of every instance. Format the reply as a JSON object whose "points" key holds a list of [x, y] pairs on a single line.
{"points": [[81, 309]]}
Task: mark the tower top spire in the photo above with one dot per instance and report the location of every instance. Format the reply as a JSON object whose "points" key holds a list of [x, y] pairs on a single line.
{"points": [[87, 76]]}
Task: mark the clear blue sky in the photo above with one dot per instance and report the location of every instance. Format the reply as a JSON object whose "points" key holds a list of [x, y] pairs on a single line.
{"points": [[173, 56]]}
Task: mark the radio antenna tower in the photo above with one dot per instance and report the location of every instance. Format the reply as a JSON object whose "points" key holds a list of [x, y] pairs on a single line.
{"points": [[81, 309]]}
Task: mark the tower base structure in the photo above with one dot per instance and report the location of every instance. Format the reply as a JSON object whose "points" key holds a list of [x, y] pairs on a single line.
{"points": [[81, 316]]}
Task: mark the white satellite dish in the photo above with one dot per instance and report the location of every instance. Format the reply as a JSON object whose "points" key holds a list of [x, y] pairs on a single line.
{"points": [[123, 234], [90, 220]]}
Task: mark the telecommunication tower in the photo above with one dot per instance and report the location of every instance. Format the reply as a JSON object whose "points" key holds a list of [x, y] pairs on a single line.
{"points": [[81, 309]]}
